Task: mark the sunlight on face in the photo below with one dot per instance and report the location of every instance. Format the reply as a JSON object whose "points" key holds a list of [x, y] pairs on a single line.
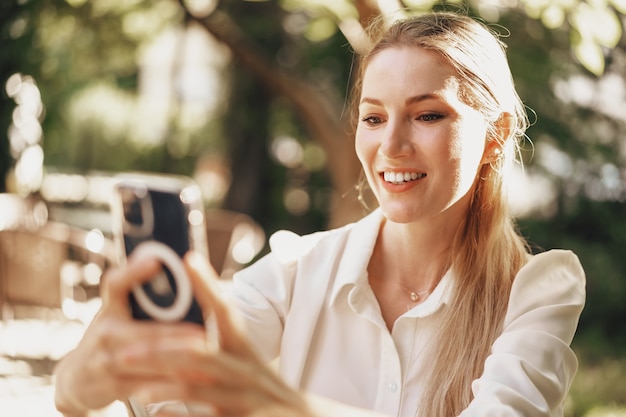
{"points": [[419, 144]]}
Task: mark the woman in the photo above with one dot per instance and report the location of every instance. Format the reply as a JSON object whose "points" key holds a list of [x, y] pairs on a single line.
{"points": [[429, 306]]}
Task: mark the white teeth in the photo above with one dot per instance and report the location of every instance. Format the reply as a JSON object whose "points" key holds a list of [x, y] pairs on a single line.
{"points": [[402, 177]]}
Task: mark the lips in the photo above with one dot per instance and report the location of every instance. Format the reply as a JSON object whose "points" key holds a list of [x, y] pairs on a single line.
{"points": [[402, 177]]}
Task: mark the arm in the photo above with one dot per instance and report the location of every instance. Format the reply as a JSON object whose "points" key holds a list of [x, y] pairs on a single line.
{"points": [[158, 363], [531, 365]]}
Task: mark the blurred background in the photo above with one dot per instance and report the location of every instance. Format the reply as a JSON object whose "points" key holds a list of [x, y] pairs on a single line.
{"points": [[250, 98]]}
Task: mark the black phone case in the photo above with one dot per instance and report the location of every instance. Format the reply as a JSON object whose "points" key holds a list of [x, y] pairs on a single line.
{"points": [[169, 225]]}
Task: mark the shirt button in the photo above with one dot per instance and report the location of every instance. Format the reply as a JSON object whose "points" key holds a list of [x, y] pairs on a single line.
{"points": [[393, 387]]}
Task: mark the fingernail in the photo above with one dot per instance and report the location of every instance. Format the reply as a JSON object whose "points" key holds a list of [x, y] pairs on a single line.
{"points": [[212, 333], [203, 410]]}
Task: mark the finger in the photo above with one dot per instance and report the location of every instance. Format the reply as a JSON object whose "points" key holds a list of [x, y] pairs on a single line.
{"points": [[179, 409], [228, 371], [118, 364], [205, 281], [233, 386], [182, 348], [241, 400], [206, 288], [119, 281]]}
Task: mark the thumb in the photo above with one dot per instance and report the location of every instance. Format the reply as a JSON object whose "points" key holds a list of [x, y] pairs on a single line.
{"points": [[209, 295], [119, 281]]}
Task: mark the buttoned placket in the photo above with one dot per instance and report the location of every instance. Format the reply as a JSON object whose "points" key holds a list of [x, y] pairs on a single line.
{"points": [[390, 383], [389, 391]]}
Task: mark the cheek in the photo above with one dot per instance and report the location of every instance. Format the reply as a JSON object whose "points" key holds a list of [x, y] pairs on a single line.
{"points": [[366, 151], [471, 141], [470, 157], [467, 152], [363, 148]]}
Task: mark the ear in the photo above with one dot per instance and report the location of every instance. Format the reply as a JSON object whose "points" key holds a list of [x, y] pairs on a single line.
{"points": [[503, 127]]}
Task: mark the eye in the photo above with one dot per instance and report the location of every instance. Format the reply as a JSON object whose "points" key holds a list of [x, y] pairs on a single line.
{"points": [[429, 117], [372, 120]]}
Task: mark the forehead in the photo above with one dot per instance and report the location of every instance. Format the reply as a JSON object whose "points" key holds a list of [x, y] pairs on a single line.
{"points": [[409, 70]]}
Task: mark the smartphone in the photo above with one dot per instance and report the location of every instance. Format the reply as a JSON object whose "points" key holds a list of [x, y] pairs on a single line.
{"points": [[160, 216]]}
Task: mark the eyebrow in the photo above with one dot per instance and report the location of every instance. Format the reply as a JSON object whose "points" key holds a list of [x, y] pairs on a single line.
{"points": [[410, 100]]}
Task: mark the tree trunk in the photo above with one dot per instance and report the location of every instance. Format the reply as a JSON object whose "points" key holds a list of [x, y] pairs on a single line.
{"points": [[319, 114]]}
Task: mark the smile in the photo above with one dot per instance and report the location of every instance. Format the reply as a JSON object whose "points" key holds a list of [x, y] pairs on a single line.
{"points": [[402, 177]]}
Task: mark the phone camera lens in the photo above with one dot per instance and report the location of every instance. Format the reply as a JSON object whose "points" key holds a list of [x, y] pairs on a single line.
{"points": [[131, 202]]}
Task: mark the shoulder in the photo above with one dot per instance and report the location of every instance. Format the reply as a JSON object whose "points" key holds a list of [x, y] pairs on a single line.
{"points": [[288, 247], [554, 277], [343, 251], [556, 258], [554, 268]]}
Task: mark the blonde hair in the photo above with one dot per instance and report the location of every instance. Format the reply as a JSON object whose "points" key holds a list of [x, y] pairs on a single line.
{"points": [[487, 251]]}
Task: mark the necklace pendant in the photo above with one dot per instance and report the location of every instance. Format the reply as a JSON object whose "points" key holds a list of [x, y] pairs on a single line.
{"points": [[414, 296]]}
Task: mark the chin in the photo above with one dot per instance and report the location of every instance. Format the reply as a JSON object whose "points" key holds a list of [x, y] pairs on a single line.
{"points": [[399, 215]]}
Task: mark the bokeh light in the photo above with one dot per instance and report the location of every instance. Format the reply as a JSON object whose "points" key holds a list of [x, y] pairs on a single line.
{"points": [[25, 133], [287, 150], [94, 240], [297, 200]]}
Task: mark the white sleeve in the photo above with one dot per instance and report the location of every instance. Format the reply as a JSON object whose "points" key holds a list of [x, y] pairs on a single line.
{"points": [[262, 294], [263, 291], [531, 365]]}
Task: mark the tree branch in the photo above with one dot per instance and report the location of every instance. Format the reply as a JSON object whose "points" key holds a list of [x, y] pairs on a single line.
{"points": [[321, 116]]}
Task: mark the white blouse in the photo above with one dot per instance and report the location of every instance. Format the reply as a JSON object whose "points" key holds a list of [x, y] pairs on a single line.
{"points": [[309, 303]]}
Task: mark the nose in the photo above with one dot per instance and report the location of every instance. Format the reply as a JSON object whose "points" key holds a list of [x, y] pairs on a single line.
{"points": [[396, 142]]}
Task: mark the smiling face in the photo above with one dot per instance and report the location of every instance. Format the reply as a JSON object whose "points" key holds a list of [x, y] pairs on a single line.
{"points": [[420, 146]]}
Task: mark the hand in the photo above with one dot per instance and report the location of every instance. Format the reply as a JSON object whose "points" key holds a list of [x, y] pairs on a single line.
{"points": [[120, 357], [95, 373], [232, 380]]}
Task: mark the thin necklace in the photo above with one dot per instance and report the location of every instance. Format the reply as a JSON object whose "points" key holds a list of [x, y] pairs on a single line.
{"points": [[415, 296]]}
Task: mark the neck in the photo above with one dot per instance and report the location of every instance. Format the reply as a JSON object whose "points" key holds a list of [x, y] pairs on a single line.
{"points": [[413, 255]]}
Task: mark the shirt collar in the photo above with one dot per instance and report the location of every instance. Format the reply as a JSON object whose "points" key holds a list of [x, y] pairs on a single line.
{"points": [[352, 269], [357, 253]]}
